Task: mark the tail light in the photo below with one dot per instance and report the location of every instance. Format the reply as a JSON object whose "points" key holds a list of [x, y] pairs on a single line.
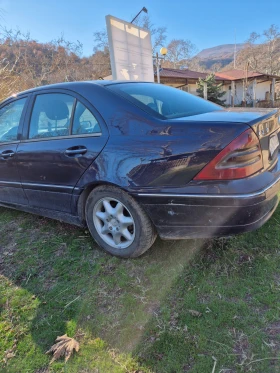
{"points": [[241, 158]]}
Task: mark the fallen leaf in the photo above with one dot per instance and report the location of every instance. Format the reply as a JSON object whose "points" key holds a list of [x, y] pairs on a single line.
{"points": [[64, 346], [10, 355], [195, 313]]}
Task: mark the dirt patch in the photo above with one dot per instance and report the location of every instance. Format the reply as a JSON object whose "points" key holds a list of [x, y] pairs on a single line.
{"points": [[274, 330], [273, 343], [244, 258], [241, 347]]}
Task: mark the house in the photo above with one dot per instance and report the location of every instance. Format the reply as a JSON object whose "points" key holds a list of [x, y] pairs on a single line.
{"points": [[239, 85], [185, 79], [249, 86]]}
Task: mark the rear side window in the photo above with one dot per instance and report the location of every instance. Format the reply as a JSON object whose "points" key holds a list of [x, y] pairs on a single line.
{"points": [[84, 121], [51, 116], [10, 116], [163, 101]]}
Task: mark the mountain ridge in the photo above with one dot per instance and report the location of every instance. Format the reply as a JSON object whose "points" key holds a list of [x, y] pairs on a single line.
{"points": [[219, 51], [222, 54]]}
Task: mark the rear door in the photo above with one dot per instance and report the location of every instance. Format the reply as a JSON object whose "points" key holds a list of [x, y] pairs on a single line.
{"points": [[11, 118], [63, 136]]}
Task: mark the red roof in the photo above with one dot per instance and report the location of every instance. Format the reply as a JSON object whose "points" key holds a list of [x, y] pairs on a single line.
{"points": [[184, 73], [229, 75], [238, 74]]}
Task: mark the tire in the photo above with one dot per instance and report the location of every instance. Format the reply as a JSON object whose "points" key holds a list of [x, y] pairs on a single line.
{"points": [[118, 223]]}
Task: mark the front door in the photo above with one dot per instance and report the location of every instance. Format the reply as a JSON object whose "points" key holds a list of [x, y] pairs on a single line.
{"points": [[11, 115], [63, 139]]}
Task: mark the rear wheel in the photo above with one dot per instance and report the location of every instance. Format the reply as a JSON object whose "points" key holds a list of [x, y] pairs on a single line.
{"points": [[118, 223]]}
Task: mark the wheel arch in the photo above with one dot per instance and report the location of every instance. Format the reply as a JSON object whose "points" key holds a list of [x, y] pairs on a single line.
{"points": [[82, 199]]}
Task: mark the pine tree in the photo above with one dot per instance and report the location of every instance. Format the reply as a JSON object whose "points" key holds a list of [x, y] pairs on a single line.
{"points": [[214, 92]]}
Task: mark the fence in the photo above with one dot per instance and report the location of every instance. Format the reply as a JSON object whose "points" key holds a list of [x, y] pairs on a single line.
{"points": [[268, 104]]}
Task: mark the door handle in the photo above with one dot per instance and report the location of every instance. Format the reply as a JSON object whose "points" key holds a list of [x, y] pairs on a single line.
{"points": [[76, 150], [7, 154]]}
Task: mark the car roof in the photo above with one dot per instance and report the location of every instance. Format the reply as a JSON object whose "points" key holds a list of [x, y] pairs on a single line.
{"points": [[73, 86], [77, 84]]}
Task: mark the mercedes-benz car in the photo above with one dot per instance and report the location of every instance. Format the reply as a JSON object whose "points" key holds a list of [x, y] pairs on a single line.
{"points": [[133, 160]]}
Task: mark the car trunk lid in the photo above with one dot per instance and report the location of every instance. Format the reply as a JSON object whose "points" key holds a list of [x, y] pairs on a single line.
{"points": [[264, 122], [266, 126]]}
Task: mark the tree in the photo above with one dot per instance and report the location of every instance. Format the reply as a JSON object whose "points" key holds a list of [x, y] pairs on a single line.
{"points": [[100, 39], [179, 51], [216, 67], [158, 34], [261, 52], [272, 44], [253, 51], [101, 57], [25, 63], [214, 92], [196, 64]]}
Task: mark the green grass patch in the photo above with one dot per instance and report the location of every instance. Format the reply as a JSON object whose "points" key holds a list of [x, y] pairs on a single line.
{"points": [[185, 306]]}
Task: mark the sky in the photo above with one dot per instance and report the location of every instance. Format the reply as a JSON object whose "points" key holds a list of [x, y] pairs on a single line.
{"points": [[206, 23]]}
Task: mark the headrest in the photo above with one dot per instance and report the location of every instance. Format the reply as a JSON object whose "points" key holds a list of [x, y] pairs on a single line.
{"points": [[56, 109], [153, 106], [165, 109]]}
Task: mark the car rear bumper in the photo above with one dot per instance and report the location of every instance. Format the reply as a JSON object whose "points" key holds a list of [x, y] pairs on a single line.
{"points": [[179, 216]]}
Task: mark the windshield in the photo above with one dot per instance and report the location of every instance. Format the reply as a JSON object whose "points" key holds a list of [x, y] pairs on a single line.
{"points": [[163, 101]]}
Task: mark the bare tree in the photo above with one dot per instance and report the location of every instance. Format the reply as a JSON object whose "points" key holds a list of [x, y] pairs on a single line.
{"points": [[179, 52], [196, 64], [272, 42], [216, 67], [101, 41], [158, 34], [261, 52], [65, 57], [32, 64], [252, 51]]}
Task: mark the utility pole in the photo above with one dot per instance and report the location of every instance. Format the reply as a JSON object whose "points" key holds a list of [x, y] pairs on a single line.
{"points": [[246, 82], [234, 55], [157, 66], [163, 52]]}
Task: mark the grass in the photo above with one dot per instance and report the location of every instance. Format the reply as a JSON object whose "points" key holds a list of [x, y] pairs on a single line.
{"points": [[185, 306]]}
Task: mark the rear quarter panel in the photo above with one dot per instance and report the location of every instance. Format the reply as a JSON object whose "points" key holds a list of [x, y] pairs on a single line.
{"points": [[145, 152]]}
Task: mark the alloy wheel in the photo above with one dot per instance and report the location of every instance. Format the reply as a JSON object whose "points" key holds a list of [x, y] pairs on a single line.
{"points": [[114, 223]]}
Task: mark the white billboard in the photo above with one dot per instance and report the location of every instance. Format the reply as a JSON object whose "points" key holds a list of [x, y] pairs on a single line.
{"points": [[130, 51]]}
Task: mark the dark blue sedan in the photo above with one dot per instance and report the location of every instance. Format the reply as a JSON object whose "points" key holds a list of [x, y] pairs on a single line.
{"points": [[132, 160]]}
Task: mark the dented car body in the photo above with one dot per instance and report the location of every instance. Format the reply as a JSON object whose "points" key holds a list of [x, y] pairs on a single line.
{"points": [[201, 173]]}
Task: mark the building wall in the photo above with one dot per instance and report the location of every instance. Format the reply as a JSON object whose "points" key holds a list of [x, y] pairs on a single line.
{"points": [[261, 90], [192, 89]]}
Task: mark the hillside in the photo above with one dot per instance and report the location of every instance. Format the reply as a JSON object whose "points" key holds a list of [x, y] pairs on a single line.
{"points": [[221, 54]]}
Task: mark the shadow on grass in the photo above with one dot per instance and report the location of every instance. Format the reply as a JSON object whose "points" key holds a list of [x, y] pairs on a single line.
{"points": [[72, 286], [137, 315]]}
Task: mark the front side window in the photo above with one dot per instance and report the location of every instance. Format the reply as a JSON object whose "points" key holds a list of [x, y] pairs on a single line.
{"points": [[10, 116], [51, 116], [84, 121]]}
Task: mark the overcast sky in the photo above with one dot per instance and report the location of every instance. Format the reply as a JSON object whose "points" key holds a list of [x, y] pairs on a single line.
{"points": [[205, 22]]}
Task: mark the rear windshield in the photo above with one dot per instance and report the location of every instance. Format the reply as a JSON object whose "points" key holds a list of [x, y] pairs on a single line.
{"points": [[163, 101]]}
